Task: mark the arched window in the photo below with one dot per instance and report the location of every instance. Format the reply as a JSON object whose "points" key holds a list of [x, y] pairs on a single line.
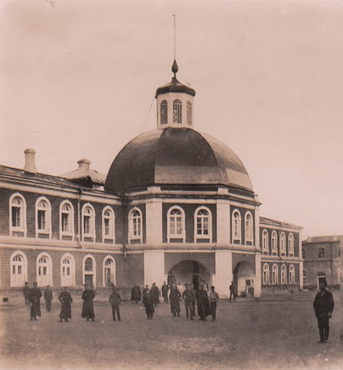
{"points": [[189, 112], [67, 270], [43, 216], [265, 274], [89, 269], [203, 223], [237, 226], [17, 207], [88, 221], [283, 274], [282, 244], [265, 246], [109, 271], [321, 253], [291, 274], [176, 223], [18, 269], [290, 244], [177, 111], [275, 274], [274, 243], [135, 225], [44, 269], [249, 228], [66, 218], [107, 223], [164, 112]]}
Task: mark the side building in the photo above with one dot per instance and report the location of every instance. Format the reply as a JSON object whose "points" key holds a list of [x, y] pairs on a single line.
{"points": [[322, 260]]}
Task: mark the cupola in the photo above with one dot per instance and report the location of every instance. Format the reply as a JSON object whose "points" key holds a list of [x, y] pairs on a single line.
{"points": [[175, 103]]}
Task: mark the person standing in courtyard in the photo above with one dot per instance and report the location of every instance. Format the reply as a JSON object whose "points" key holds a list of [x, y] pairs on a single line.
{"points": [[115, 300], [165, 290], [26, 294], [66, 301], [323, 306], [188, 296], [48, 298], [174, 297], [155, 294], [214, 298], [232, 291], [194, 293], [35, 296], [88, 308], [136, 293], [148, 302]]}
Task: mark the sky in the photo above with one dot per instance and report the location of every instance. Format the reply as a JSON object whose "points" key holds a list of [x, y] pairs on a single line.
{"points": [[78, 80]]}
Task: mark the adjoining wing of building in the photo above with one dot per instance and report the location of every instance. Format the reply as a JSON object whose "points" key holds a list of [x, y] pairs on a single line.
{"points": [[176, 205]]}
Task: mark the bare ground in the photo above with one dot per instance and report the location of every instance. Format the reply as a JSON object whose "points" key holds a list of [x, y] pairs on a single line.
{"points": [[271, 333]]}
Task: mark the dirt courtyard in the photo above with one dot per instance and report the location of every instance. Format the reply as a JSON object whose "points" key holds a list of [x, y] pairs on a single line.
{"points": [[277, 332]]}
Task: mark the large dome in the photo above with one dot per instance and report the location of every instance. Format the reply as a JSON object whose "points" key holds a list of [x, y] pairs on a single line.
{"points": [[175, 156]]}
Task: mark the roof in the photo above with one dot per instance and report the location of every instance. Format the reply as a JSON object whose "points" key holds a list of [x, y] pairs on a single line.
{"points": [[271, 222], [175, 156], [84, 172]]}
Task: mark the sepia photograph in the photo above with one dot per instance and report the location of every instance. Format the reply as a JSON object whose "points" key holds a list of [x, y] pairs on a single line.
{"points": [[171, 178]]}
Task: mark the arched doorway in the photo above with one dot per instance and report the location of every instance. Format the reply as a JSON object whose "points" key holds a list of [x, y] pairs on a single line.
{"points": [[189, 272], [243, 276]]}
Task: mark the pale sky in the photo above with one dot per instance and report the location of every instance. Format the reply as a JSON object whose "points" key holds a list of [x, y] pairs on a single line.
{"points": [[78, 80]]}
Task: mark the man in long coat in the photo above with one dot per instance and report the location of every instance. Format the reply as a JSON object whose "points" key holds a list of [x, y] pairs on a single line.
{"points": [[165, 289], [48, 298], [115, 300], [136, 293], [188, 297], [155, 294], [323, 306], [148, 302], [66, 300], [26, 294], [174, 297], [87, 307], [35, 296]]}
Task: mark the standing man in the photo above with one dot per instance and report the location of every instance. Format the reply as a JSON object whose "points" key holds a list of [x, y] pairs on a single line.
{"points": [[232, 291], [66, 300], [155, 294], [214, 298], [174, 297], [48, 298], [193, 299], [148, 302], [87, 307], [26, 294], [35, 296], [323, 306], [165, 289], [188, 297], [115, 300], [136, 293]]}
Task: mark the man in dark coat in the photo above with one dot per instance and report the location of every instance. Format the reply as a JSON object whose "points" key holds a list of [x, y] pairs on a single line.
{"points": [[188, 297], [203, 303], [48, 298], [174, 297], [214, 298], [232, 291], [193, 299], [66, 300], [115, 300], [165, 289], [155, 294], [26, 294], [148, 302], [87, 307], [35, 296], [136, 293], [323, 306]]}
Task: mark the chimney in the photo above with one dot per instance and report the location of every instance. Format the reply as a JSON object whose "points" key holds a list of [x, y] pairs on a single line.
{"points": [[84, 164], [30, 165]]}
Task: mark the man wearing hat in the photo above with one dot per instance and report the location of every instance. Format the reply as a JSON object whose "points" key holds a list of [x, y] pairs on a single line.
{"points": [[48, 298], [323, 306], [35, 296], [87, 307], [188, 297], [26, 294], [66, 300]]}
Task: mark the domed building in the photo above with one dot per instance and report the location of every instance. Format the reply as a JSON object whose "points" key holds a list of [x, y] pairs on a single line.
{"points": [[177, 205]]}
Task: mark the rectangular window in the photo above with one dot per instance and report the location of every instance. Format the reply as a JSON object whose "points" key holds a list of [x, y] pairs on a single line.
{"points": [[86, 225], [15, 216], [19, 270], [107, 226], [41, 220], [65, 222]]}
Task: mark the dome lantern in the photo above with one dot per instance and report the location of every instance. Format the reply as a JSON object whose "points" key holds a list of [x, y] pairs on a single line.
{"points": [[175, 103]]}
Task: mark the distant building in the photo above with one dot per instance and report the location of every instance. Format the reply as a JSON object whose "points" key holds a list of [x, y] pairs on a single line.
{"points": [[322, 260], [176, 205]]}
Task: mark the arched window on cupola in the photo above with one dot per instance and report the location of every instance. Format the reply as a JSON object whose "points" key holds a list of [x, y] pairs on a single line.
{"points": [[164, 112], [189, 112], [177, 111]]}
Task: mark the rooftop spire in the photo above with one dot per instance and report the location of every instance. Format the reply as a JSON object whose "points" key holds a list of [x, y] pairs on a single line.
{"points": [[175, 68]]}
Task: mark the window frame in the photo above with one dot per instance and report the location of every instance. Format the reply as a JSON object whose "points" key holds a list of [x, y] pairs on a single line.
{"points": [[70, 214], [202, 217], [22, 216], [274, 243], [177, 111], [265, 241], [49, 268], [282, 244], [182, 235], [68, 282], [47, 216], [164, 112], [291, 244], [86, 272], [291, 274], [321, 253], [132, 218], [283, 274], [15, 280], [248, 228], [275, 274], [236, 236], [113, 270], [111, 226], [92, 233], [266, 274]]}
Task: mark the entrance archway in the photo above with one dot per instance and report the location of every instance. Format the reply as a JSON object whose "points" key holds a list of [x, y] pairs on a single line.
{"points": [[243, 276], [189, 272]]}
